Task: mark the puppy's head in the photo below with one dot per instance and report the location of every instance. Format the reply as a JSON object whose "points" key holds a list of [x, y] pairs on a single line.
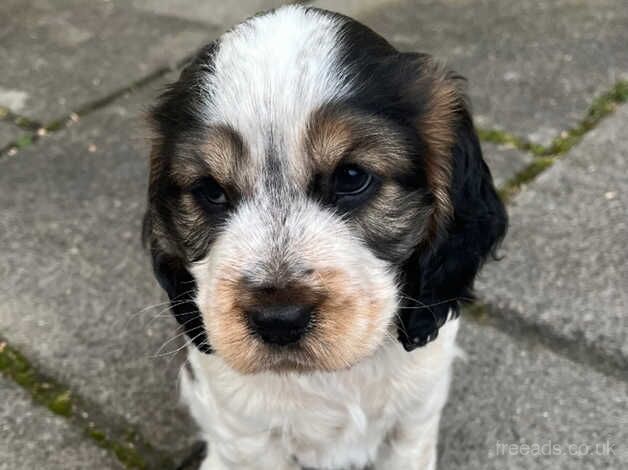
{"points": [[314, 193]]}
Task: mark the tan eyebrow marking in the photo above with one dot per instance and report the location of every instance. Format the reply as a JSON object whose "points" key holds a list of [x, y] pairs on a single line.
{"points": [[335, 134], [219, 153]]}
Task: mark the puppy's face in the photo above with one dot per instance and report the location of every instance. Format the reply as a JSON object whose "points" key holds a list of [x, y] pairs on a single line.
{"points": [[301, 168], [316, 223]]}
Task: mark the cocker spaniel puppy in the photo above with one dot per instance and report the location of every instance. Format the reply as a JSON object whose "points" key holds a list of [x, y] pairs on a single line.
{"points": [[318, 208]]}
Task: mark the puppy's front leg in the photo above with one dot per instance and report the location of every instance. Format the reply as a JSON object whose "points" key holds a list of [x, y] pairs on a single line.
{"points": [[411, 446]]}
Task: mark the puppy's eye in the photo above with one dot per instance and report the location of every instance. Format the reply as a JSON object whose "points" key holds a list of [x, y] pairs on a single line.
{"points": [[209, 191], [351, 180]]}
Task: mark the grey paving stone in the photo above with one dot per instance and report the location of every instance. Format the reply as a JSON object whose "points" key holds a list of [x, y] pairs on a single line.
{"points": [[504, 162], [534, 67], [8, 133], [565, 266], [222, 14], [58, 55], [511, 391], [33, 438], [75, 279]]}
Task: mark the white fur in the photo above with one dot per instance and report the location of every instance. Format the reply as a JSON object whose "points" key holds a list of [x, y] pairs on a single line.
{"points": [[383, 411], [271, 72]]}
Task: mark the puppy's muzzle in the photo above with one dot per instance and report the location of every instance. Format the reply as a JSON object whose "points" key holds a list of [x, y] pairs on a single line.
{"points": [[280, 324]]}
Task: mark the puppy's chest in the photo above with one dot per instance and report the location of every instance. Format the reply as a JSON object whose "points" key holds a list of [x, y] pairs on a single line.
{"points": [[319, 420], [335, 425]]}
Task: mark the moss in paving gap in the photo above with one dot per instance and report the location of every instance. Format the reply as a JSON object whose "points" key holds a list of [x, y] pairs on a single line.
{"points": [[45, 392], [499, 137], [20, 121], [477, 311], [62, 123], [545, 157], [127, 445], [102, 102], [601, 107], [24, 141], [526, 175]]}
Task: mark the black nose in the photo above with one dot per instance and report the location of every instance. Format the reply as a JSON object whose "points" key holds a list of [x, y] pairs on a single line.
{"points": [[280, 323]]}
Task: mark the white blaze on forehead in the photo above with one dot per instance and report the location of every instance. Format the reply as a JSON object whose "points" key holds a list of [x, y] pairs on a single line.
{"points": [[271, 72]]}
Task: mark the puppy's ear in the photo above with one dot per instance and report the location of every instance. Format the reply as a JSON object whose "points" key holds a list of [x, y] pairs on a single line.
{"points": [[468, 218], [170, 268], [181, 289], [175, 112]]}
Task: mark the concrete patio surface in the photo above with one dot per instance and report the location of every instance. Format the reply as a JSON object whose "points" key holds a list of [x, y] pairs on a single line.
{"points": [[88, 352]]}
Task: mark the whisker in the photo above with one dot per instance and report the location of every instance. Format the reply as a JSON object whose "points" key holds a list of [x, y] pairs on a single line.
{"points": [[168, 341], [172, 353]]}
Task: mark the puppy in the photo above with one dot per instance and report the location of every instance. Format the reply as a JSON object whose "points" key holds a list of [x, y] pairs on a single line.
{"points": [[318, 209]]}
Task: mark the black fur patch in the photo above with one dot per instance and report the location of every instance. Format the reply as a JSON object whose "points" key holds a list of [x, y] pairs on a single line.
{"points": [[439, 277]]}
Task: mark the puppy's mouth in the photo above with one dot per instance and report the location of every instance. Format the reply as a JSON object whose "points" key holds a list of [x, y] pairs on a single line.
{"points": [[302, 356], [292, 358], [325, 321]]}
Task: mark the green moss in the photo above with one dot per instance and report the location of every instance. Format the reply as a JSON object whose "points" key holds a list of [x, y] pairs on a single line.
{"points": [[57, 125], [499, 137], [24, 141], [25, 123], [44, 391], [62, 404], [128, 455], [531, 171], [21, 121], [99, 436], [126, 444], [477, 311], [601, 107]]}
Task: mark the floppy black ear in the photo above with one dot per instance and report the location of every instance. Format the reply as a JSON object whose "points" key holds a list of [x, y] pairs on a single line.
{"points": [[175, 112], [169, 269], [181, 289], [440, 276]]}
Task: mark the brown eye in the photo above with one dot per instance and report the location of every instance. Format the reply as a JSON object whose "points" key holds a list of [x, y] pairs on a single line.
{"points": [[208, 191], [351, 180]]}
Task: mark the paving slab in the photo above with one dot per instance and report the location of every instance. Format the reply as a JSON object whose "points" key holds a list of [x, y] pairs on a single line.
{"points": [[222, 14], [33, 438], [511, 393], [504, 161], [533, 67], [565, 264], [77, 295], [8, 133], [58, 55]]}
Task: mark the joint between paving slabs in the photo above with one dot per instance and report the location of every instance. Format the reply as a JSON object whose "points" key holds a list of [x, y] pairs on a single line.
{"points": [[535, 336], [544, 157], [39, 130], [120, 439], [22, 122]]}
